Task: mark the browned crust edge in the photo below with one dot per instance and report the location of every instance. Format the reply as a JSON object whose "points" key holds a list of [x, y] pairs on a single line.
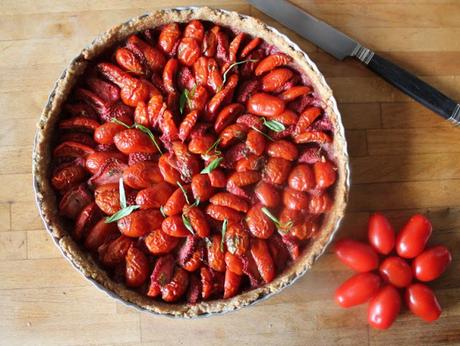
{"points": [[82, 261]]}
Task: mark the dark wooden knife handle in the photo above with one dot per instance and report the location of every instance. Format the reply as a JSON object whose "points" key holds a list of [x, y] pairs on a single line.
{"points": [[415, 88]]}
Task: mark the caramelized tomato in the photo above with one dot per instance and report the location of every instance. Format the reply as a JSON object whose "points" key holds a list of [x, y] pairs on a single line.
{"points": [[195, 143]]}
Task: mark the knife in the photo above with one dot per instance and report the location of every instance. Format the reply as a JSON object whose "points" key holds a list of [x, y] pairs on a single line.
{"points": [[341, 46]]}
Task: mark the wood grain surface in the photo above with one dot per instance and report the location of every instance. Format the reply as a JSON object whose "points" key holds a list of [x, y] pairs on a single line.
{"points": [[404, 159]]}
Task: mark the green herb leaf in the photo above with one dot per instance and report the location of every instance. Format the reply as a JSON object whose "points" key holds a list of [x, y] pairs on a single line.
{"points": [[148, 133], [121, 213], [162, 211], [196, 203], [208, 241], [285, 228], [184, 192], [270, 216], [121, 190], [224, 231], [224, 76], [139, 127], [187, 224], [214, 147], [212, 166], [274, 125], [282, 227], [191, 93], [262, 133], [183, 98], [119, 122]]}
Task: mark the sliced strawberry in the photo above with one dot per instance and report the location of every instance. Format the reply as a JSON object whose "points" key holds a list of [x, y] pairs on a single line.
{"points": [[110, 172], [161, 275], [73, 202]]}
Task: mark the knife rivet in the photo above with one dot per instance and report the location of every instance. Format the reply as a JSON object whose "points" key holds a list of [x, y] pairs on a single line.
{"points": [[362, 53]]}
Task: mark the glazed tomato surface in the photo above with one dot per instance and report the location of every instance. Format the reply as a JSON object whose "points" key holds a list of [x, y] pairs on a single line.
{"points": [[384, 308], [381, 234], [357, 255], [357, 290], [411, 240], [396, 271], [422, 302], [194, 161], [431, 263]]}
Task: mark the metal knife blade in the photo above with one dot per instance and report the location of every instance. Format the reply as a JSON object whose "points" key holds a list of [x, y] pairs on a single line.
{"points": [[340, 46], [321, 34]]}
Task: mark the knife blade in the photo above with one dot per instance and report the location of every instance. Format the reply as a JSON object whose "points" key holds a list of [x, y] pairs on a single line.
{"points": [[341, 46]]}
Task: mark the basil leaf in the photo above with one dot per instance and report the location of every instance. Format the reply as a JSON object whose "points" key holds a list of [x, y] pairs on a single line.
{"points": [[121, 191], [224, 231], [119, 122], [274, 125], [224, 76], [262, 133], [162, 210], [121, 213], [184, 192], [187, 224], [212, 166], [148, 133]]}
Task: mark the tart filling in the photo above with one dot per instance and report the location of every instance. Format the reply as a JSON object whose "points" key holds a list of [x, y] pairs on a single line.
{"points": [[194, 162]]}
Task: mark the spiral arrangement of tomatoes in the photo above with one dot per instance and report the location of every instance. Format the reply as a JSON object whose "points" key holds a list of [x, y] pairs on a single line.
{"points": [[194, 162], [381, 282]]}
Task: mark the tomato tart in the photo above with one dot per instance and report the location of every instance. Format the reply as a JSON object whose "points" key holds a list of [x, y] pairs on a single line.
{"points": [[191, 161]]}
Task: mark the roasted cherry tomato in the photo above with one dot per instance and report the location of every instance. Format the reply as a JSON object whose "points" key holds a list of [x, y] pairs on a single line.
{"points": [[430, 264], [396, 271], [356, 255], [231, 284], [263, 259], [207, 149], [381, 234], [357, 290], [325, 174], [137, 267], [422, 302], [384, 308], [412, 238]]}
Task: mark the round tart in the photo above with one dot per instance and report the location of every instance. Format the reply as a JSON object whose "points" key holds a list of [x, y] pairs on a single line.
{"points": [[191, 161]]}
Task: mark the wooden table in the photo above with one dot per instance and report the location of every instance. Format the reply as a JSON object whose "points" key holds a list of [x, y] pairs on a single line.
{"points": [[404, 159]]}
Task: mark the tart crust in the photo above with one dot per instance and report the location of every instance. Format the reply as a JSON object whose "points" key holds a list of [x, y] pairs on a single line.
{"points": [[83, 262]]}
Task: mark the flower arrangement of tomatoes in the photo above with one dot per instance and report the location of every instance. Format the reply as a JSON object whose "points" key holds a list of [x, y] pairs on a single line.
{"points": [[390, 266]]}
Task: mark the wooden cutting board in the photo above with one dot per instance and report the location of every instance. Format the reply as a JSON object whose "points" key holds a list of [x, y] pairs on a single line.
{"points": [[404, 159]]}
